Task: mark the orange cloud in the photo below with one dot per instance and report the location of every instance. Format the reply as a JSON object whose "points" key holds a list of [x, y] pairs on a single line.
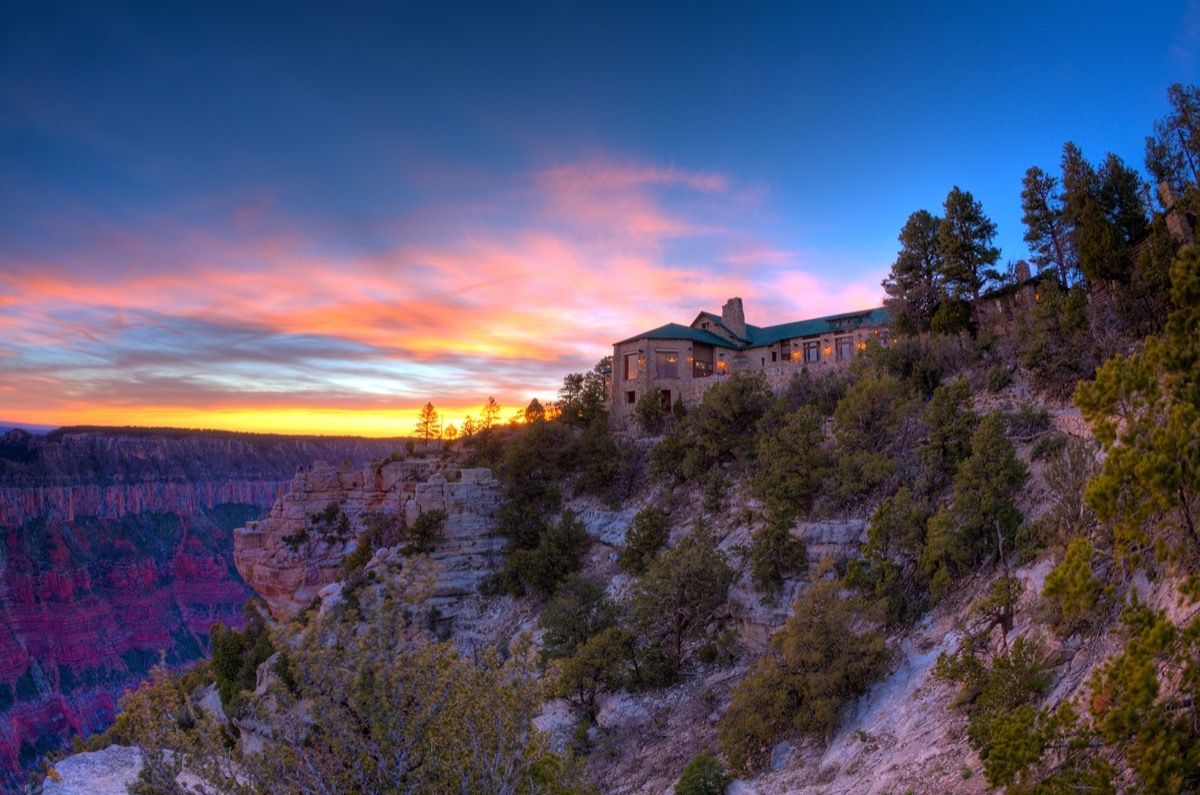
{"points": [[261, 325]]}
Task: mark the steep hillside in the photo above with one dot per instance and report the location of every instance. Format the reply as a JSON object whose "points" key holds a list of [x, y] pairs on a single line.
{"points": [[116, 550]]}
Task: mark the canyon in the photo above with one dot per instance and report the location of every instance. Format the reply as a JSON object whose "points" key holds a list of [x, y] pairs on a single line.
{"points": [[115, 553]]}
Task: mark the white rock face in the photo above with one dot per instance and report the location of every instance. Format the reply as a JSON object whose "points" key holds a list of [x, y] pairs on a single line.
{"points": [[289, 577], [106, 772]]}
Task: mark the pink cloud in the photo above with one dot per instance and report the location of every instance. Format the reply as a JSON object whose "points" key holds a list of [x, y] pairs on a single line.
{"points": [[509, 302]]}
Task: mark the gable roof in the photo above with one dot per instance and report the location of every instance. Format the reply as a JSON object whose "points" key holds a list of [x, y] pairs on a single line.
{"points": [[719, 322], [674, 331], [760, 336]]}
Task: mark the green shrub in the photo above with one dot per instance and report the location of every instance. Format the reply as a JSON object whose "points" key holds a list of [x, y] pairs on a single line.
{"points": [[704, 775], [558, 554], [1048, 446], [998, 377], [1029, 422], [650, 413], [817, 664], [994, 689], [644, 537], [775, 554], [580, 610], [426, 533]]}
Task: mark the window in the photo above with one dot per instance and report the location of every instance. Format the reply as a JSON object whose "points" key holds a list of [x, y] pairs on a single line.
{"points": [[773, 354], [812, 352], [666, 399], [631, 397], [631, 366], [701, 369], [666, 364], [845, 347]]}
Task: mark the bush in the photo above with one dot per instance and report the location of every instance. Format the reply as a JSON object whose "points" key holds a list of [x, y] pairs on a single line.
{"points": [[993, 690], [558, 554], [426, 533], [1048, 446], [580, 610], [1028, 422], [644, 538], [952, 316], [792, 459], [704, 775], [650, 413], [998, 377], [774, 555], [677, 597], [818, 663]]}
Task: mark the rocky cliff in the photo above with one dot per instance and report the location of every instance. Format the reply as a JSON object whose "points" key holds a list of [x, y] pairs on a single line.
{"points": [[116, 549], [289, 574]]}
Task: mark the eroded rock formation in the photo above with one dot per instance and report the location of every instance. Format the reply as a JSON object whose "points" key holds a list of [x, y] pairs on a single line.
{"points": [[116, 550], [288, 560]]}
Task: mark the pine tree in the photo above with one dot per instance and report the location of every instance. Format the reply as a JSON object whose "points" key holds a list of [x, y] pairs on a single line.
{"points": [[914, 285], [1145, 411], [965, 237], [429, 424]]}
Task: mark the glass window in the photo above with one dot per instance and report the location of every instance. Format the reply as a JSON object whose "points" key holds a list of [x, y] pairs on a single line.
{"points": [[631, 366], [666, 364], [812, 352], [845, 347]]}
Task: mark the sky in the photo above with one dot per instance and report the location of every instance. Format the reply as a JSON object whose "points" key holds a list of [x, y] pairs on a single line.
{"points": [[303, 217]]}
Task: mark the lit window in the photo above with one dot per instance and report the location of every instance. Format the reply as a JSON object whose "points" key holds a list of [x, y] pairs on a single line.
{"points": [[631, 366], [666, 364]]}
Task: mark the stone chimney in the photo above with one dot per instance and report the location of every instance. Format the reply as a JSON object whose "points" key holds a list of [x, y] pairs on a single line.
{"points": [[733, 317], [1177, 223]]}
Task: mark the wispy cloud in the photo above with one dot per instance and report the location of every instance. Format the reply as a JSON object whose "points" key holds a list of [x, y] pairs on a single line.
{"points": [[247, 314], [1187, 39]]}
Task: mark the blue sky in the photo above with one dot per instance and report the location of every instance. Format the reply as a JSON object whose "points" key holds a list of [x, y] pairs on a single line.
{"points": [[301, 217]]}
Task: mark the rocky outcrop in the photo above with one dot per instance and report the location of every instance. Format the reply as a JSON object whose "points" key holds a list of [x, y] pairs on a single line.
{"points": [[116, 549], [106, 772], [287, 558]]}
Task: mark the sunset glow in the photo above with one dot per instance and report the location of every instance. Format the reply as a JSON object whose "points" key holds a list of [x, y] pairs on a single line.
{"points": [[322, 231]]}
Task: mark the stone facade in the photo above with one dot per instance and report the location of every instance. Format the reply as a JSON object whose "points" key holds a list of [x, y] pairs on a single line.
{"points": [[682, 362]]}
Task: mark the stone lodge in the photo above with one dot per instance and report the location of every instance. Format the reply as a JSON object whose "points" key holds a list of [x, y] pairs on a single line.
{"points": [[677, 361]]}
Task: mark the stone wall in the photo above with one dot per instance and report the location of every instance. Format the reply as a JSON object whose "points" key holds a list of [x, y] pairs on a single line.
{"points": [[769, 359]]}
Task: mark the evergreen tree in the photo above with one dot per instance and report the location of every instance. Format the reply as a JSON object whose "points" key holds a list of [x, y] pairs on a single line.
{"points": [[1145, 411], [792, 460], [914, 285], [982, 516], [818, 663], [679, 593], [1173, 152], [644, 537], [965, 236], [429, 424], [1047, 229]]}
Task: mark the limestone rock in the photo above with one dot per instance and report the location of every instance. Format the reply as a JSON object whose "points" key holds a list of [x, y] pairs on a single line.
{"points": [[290, 576], [106, 772]]}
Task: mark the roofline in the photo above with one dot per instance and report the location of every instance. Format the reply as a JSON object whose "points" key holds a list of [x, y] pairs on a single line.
{"points": [[745, 343]]}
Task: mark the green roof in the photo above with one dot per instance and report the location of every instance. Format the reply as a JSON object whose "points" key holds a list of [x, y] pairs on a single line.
{"points": [[760, 336], [674, 331]]}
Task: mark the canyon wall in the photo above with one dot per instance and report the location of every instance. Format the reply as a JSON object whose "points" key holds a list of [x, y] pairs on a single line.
{"points": [[116, 551], [289, 574]]}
